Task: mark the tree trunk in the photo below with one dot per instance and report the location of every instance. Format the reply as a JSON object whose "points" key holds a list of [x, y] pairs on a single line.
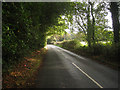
{"points": [[93, 24], [88, 27], [115, 19]]}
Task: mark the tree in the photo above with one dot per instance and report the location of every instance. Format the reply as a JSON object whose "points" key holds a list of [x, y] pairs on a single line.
{"points": [[89, 37], [90, 18], [25, 26], [115, 18]]}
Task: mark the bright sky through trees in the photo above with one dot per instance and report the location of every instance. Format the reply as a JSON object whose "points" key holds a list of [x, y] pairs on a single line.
{"points": [[109, 20], [74, 26], [107, 17]]}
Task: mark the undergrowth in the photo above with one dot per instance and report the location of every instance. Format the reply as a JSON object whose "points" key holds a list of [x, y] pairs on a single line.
{"points": [[102, 52], [23, 73]]}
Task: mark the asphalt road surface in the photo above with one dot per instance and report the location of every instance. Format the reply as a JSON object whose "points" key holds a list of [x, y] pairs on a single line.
{"points": [[64, 69]]}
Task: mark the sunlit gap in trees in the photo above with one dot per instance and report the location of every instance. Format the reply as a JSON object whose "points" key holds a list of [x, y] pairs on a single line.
{"points": [[75, 29], [109, 20]]}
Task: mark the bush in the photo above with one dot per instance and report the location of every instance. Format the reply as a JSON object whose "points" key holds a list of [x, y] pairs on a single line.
{"points": [[73, 44], [108, 51], [97, 49], [112, 52]]}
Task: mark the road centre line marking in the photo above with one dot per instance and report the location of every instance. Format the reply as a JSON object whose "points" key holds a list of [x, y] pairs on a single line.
{"points": [[87, 75]]}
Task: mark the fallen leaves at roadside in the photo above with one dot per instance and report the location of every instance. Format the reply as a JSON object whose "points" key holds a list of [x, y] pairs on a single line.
{"points": [[23, 75]]}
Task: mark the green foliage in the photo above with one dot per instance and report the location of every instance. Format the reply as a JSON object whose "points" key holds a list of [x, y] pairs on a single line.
{"points": [[111, 52], [90, 20], [104, 52], [25, 27], [72, 44], [51, 40], [58, 28]]}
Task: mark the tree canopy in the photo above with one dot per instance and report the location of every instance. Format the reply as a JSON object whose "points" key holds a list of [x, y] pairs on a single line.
{"points": [[26, 26]]}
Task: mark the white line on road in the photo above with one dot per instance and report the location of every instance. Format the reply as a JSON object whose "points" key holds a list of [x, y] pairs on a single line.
{"points": [[87, 75]]}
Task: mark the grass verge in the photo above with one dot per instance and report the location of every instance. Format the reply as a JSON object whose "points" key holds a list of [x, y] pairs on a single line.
{"points": [[107, 55]]}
